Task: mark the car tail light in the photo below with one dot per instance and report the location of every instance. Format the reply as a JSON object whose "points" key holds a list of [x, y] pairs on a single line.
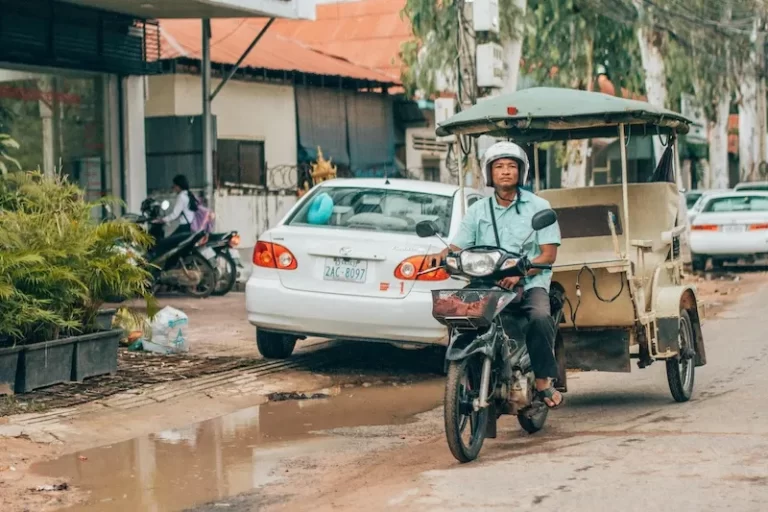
{"points": [[270, 255], [235, 240], [758, 227], [705, 227], [409, 268]]}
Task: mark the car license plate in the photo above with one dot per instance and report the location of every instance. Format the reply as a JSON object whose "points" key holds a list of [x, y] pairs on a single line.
{"points": [[208, 253], [345, 270], [735, 228]]}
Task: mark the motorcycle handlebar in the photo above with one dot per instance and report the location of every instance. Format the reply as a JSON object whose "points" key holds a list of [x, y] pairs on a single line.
{"points": [[541, 266]]}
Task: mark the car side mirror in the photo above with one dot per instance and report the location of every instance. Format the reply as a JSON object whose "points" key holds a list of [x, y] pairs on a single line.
{"points": [[427, 228], [543, 219]]}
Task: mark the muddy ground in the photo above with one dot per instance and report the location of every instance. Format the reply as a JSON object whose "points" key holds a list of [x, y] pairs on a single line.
{"points": [[335, 386]]}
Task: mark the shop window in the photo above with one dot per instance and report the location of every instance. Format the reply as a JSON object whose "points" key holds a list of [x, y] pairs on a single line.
{"points": [[241, 163]]}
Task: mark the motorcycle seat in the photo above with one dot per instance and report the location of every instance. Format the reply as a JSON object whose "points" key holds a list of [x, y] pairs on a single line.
{"points": [[167, 244]]}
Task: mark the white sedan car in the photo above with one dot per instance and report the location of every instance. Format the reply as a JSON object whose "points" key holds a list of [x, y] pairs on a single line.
{"points": [[730, 227], [344, 264]]}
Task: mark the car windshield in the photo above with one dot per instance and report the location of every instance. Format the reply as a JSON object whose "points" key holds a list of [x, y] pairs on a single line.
{"points": [[746, 203], [377, 209]]}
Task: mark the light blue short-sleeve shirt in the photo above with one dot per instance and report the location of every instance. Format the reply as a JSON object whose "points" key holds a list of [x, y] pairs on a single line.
{"points": [[514, 228]]}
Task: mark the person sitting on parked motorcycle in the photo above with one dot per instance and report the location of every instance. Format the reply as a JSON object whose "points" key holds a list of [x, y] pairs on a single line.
{"points": [[506, 168], [184, 208]]}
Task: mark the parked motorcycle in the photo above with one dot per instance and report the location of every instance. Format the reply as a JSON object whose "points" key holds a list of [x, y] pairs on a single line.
{"points": [[489, 369], [178, 262], [225, 259]]}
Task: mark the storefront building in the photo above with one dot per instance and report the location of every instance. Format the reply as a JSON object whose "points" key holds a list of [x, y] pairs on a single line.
{"points": [[64, 73], [72, 82]]}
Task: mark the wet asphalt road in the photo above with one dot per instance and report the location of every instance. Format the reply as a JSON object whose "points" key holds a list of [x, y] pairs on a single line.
{"points": [[620, 443]]}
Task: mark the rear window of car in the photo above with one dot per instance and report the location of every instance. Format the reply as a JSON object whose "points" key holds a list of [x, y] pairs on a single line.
{"points": [[753, 187], [745, 203], [690, 199], [374, 209]]}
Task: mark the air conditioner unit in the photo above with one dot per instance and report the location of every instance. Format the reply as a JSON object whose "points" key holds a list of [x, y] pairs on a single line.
{"points": [[428, 146], [445, 108], [485, 15], [422, 145], [490, 65]]}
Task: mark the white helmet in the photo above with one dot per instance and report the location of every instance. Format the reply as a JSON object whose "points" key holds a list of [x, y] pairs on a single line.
{"points": [[506, 150]]}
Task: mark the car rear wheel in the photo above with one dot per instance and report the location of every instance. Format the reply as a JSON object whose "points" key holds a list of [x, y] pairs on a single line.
{"points": [[273, 345], [699, 263]]}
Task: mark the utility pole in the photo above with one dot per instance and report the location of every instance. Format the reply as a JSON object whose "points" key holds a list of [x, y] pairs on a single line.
{"points": [[466, 151]]}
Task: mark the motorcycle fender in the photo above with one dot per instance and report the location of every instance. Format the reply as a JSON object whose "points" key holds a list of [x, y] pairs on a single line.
{"points": [[467, 345], [667, 304]]}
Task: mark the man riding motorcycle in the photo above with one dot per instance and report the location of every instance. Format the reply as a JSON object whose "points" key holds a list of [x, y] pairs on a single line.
{"points": [[504, 221]]}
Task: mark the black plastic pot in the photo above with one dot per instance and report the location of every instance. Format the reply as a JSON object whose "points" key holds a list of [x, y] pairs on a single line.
{"points": [[104, 319], [45, 364], [96, 354], [9, 363]]}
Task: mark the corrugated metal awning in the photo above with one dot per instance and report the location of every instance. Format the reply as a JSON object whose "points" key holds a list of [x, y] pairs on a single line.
{"points": [[198, 9]]}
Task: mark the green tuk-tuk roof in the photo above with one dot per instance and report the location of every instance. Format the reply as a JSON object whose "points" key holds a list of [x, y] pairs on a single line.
{"points": [[542, 114]]}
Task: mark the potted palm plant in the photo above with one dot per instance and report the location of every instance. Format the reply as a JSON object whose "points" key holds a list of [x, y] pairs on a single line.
{"points": [[57, 266]]}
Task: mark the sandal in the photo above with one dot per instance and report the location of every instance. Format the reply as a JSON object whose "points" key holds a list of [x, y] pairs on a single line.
{"points": [[550, 393]]}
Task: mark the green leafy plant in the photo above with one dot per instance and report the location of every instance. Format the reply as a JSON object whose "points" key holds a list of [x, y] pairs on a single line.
{"points": [[7, 143], [58, 265]]}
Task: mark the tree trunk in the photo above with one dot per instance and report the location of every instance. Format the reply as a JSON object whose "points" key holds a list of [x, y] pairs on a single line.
{"points": [[575, 171], [748, 132], [513, 49], [655, 74], [718, 144]]}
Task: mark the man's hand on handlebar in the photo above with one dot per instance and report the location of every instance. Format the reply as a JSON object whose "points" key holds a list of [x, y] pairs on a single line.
{"points": [[509, 282]]}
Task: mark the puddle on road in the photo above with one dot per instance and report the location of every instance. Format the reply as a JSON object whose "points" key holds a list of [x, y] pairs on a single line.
{"points": [[215, 459]]}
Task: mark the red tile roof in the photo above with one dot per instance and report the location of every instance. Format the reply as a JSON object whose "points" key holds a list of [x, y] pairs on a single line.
{"points": [[366, 32], [230, 38]]}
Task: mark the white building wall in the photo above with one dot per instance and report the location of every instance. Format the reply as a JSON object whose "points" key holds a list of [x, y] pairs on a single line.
{"points": [[245, 111]]}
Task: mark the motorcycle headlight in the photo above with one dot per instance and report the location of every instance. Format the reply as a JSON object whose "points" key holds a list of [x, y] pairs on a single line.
{"points": [[479, 264]]}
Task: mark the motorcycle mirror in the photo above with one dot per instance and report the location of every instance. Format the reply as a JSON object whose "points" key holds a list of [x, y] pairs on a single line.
{"points": [[427, 228], [165, 204], [543, 219]]}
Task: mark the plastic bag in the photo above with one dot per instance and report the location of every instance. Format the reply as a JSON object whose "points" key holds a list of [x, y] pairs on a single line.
{"points": [[168, 334]]}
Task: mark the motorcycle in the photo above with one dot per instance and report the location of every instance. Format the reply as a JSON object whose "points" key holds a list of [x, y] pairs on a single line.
{"points": [[225, 259], [488, 367], [178, 262]]}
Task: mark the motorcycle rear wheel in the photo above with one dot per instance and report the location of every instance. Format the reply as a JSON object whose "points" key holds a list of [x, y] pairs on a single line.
{"points": [[226, 274], [533, 421], [461, 387]]}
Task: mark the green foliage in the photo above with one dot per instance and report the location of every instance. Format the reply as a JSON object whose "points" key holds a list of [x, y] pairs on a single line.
{"points": [[571, 36], [7, 144], [434, 47], [57, 264], [574, 37]]}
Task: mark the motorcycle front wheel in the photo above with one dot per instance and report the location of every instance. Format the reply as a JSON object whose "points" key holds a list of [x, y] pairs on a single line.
{"points": [[207, 284], [464, 427]]}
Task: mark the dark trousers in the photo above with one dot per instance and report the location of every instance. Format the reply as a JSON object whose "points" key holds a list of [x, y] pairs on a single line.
{"points": [[540, 335]]}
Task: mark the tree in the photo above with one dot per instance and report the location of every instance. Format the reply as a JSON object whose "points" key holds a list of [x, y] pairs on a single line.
{"points": [[565, 42]]}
